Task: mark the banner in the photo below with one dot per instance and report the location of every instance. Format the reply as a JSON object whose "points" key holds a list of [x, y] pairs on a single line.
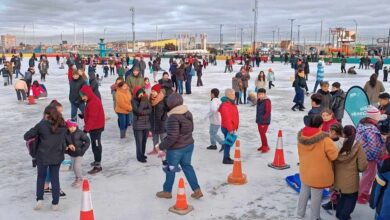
{"points": [[356, 102]]}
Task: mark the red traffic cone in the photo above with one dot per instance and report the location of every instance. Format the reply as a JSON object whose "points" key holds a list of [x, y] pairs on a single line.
{"points": [[181, 207], [86, 212], [237, 177], [31, 100], [279, 163]]}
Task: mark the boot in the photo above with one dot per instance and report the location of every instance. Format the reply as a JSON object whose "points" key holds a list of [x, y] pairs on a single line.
{"points": [[123, 134], [95, 170], [222, 148], [197, 194], [227, 161], [164, 195], [212, 147]]}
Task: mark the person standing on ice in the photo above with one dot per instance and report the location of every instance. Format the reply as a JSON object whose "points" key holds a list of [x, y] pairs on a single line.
{"points": [[320, 74], [260, 82], [75, 86], [300, 87], [94, 125], [245, 77], [158, 115], [50, 132], [166, 84], [229, 121], [374, 146], [270, 78], [337, 102], [373, 88], [215, 120], [316, 152], [343, 62], [31, 61], [188, 71], [123, 107], [179, 146], [263, 118], [135, 79]]}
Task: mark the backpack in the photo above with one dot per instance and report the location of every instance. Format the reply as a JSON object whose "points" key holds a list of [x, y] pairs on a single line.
{"points": [[31, 145]]}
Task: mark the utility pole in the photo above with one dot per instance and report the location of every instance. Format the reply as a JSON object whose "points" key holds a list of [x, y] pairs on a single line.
{"points": [[83, 39], [388, 44], [279, 35], [220, 38], [291, 33], [273, 39], [242, 30], [161, 37], [235, 38], [24, 35], [321, 35], [33, 33], [255, 10], [156, 37], [132, 9], [315, 38], [299, 26]]}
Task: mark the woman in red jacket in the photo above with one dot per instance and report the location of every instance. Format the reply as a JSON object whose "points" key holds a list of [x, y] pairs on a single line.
{"points": [[93, 124], [229, 121]]}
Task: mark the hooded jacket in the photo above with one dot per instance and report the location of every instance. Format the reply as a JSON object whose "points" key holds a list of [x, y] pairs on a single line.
{"points": [[337, 104], [74, 90], [81, 142], [179, 125], [213, 114], [370, 137], [93, 83], [326, 99], [229, 115], [347, 167], [123, 101], [316, 152], [94, 118], [133, 81]]}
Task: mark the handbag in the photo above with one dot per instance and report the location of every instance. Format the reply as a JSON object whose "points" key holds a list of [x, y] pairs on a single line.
{"points": [[230, 139]]}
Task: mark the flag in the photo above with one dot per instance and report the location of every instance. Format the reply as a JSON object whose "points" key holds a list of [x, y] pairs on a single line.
{"points": [[356, 102]]}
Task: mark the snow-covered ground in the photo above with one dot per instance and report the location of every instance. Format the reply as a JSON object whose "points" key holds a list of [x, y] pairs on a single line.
{"points": [[126, 189]]}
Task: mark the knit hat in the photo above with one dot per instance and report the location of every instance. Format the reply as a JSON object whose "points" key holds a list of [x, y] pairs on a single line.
{"points": [[70, 123], [230, 94], [137, 91], [373, 113], [156, 88]]}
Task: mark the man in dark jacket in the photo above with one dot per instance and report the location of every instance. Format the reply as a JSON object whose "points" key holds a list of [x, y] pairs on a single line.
{"points": [[141, 121], [94, 84], [166, 84], [179, 145], [378, 65], [17, 66], [337, 102], [188, 77], [172, 70], [142, 66], [28, 78], [325, 95], [343, 62], [75, 86]]}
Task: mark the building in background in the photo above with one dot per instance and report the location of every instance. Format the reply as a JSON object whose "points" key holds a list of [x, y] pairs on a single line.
{"points": [[8, 41]]}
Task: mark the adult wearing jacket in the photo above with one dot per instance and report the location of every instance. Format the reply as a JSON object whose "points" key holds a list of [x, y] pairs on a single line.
{"points": [[349, 163], [373, 88], [180, 77], [337, 101], [31, 61], [93, 83], [320, 74], [378, 66], [316, 152], [263, 118], [94, 121], [75, 86], [166, 84], [21, 89], [245, 77], [28, 77], [179, 146], [43, 67], [172, 70], [215, 120], [158, 115], [135, 79], [123, 107], [374, 146], [50, 136], [229, 121], [343, 62], [142, 66], [141, 121], [188, 77], [300, 87], [17, 66]]}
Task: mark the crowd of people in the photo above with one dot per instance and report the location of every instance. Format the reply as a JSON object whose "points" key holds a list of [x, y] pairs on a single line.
{"points": [[331, 155]]}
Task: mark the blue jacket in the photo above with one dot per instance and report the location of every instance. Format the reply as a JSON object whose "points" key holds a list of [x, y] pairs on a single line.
{"points": [[314, 111], [263, 112], [320, 71], [380, 194]]}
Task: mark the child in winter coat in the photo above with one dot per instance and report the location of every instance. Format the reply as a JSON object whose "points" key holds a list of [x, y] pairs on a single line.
{"points": [[300, 87], [215, 120], [38, 90], [263, 118], [320, 74], [328, 117], [326, 97], [374, 145], [261, 82], [5, 71], [77, 144], [270, 78], [337, 101], [380, 194], [315, 108], [148, 86], [21, 89]]}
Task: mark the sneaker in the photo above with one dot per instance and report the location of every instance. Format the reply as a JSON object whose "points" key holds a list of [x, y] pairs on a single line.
{"points": [[55, 208], [227, 161], [95, 170], [164, 195], [47, 190], [38, 205], [212, 147], [81, 116], [329, 206], [62, 194], [197, 194]]}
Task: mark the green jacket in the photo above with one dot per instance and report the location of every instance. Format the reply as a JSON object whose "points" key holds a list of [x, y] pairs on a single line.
{"points": [[133, 81]]}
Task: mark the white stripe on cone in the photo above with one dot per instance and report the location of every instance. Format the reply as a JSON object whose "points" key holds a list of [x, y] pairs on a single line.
{"points": [[181, 191], [279, 144], [86, 204]]}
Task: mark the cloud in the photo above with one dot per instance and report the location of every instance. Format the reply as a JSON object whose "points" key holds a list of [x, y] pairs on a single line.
{"points": [[91, 17]]}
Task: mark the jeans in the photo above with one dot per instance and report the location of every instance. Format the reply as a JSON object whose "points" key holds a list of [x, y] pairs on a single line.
{"points": [[157, 137], [73, 110], [112, 72], [244, 93], [96, 143], [180, 86], [316, 85], [214, 138], [343, 69], [270, 84], [237, 101], [263, 136], [315, 204], [199, 81], [17, 72], [76, 166], [43, 77], [181, 157], [20, 93], [226, 151], [367, 178], [188, 84], [54, 171], [140, 136], [345, 205], [123, 121]]}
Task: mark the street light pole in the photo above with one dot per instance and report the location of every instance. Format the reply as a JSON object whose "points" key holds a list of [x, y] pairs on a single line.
{"points": [[220, 38], [255, 10], [299, 26], [291, 33], [132, 9], [273, 39], [356, 29]]}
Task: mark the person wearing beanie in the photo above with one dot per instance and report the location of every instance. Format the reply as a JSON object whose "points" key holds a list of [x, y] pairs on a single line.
{"points": [[215, 120], [123, 107], [141, 121], [158, 115], [135, 79], [77, 143], [179, 146], [373, 143], [229, 121], [263, 118]]}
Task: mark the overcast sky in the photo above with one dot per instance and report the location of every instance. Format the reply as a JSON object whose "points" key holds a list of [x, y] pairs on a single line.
{"points": [[51, 17]]}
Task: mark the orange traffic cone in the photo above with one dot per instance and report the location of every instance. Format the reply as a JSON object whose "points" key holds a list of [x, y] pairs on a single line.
{"points": [[181, 207], [31, 100], [237, 177], [279, 155], [86, 212]]}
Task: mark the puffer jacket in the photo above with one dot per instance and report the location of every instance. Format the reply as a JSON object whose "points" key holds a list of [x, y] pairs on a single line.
{"points": [[316, 152], [326, 99], [380, 193], [373, 143], [229, 115], [94, 118], [158, 115], [337, 104], [81, 142], [74, 90], [141, 110], [123, 101]]}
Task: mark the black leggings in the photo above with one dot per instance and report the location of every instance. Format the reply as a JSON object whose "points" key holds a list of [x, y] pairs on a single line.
{"points": [[96, 142], [141, 136], [244, 94]]}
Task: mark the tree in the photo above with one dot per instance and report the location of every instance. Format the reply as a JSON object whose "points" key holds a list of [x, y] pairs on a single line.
{"points": [[170, 47]]}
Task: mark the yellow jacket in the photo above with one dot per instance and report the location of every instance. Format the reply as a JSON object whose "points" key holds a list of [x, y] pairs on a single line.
{"points": [[123, 101]]}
